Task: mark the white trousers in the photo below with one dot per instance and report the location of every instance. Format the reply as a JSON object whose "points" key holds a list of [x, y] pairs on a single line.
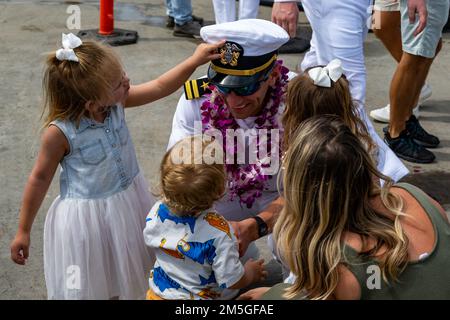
{"points": [[339, 30], [225, 10]]}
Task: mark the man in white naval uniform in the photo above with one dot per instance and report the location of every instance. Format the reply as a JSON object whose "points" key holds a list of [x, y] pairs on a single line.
{"points": [[259, 41]]}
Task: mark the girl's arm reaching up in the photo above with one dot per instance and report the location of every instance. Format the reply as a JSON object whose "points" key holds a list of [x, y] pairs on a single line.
{"points": [[173, 79], [54, 146]]}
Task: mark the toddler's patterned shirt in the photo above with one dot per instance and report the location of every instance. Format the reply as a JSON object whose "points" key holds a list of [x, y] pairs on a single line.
{"points": [[196, 257]]}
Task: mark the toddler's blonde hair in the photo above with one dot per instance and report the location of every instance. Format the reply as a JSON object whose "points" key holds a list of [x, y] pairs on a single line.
{"points": [[193, 185]]}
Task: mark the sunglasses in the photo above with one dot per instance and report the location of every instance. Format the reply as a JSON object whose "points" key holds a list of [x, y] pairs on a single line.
{"points": [[241, 91]]}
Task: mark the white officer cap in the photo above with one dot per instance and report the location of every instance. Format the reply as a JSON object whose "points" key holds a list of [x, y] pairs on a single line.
{"points": [[250, 51]]}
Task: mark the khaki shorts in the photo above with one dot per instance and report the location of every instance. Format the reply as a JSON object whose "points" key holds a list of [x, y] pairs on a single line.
{"points": [[387, 5]]}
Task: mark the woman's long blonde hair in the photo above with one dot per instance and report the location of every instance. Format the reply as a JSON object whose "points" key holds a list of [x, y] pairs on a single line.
{"points": [[329, 179], [68, 85]]}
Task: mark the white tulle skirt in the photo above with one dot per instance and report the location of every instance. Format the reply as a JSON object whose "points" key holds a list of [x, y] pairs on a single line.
{"points": [[94, 248]]}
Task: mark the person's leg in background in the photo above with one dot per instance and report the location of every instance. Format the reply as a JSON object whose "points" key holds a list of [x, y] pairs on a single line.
{"points": [[170, 22], [224, 10], [405, 136], [248, 9], [339, 27], [179, 16], [404, 94], [339, 30], [386, 27], [310, 58]]}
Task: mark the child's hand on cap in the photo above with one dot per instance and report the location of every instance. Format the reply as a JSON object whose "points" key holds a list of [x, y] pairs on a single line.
{"points": [[206, 52]]}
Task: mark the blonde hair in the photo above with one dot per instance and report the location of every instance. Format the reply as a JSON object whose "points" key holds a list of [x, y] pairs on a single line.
{"points": [[328, 183], [304, 100], [190, 186], [68, 85]]}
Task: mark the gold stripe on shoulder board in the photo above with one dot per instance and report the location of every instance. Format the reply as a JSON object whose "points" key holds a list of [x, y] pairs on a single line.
{"points": [[194, 89], [188, 90]]}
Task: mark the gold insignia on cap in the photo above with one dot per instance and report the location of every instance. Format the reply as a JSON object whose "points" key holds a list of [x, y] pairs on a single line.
{"points": [[230, 54], [194, 89]]}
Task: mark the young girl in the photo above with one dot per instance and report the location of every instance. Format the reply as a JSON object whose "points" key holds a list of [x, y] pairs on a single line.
{"points": [[196, 250], [325, 90], [93, 244], [320, 91]]}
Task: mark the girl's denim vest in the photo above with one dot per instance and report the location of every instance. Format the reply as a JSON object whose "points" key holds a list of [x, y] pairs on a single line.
{"points": [[102, 160]]}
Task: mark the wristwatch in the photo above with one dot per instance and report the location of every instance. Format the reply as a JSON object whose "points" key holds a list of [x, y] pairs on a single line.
{"points": [[263, 229]]}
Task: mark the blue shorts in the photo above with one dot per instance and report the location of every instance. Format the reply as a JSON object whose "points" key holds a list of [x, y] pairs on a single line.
{"points": [[426, 42]]}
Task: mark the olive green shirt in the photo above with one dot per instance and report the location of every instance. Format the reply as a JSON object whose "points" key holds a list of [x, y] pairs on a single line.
{"points": [[427, 278]]}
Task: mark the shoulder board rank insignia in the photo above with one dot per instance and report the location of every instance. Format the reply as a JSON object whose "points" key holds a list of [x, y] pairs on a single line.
{"points": [[194, 89]]}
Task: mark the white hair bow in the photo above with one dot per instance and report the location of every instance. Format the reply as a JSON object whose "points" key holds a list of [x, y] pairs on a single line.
{"points": [[322, 76], [69, 42]]}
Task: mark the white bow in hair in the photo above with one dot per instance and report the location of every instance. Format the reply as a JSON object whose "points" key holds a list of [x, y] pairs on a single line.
{"points": [[69, 42], [322, 76]]}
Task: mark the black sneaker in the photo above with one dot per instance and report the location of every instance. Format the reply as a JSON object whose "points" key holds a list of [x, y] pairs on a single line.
{"points": [[405, 147], [190, 29], [170, 21], [420, 135]]}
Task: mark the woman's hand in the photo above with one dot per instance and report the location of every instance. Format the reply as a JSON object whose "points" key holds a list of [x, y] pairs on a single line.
{"points": [[206, 52], [254, 294], [20, 247]]}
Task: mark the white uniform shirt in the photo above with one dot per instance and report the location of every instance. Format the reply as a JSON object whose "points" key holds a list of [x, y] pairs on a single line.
{"points": [[196, 257]]}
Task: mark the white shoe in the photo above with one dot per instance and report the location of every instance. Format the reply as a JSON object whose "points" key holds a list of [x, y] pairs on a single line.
{"points": [[425, 93], [382, 114]]}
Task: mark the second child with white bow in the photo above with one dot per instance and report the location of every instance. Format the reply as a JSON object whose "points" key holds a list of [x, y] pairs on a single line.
{"points": [[326, 90], [93, 242]]}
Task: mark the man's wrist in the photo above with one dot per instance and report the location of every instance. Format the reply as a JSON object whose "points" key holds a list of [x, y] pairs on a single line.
{"points": [[253, 229], [262, 229]]}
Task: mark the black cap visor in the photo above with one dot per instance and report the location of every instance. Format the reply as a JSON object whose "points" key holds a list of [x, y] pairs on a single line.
{"points": [[231, 81]]}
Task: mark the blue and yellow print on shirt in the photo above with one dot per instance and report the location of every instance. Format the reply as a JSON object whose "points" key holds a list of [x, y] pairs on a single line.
{"points": [[196, 257]]}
